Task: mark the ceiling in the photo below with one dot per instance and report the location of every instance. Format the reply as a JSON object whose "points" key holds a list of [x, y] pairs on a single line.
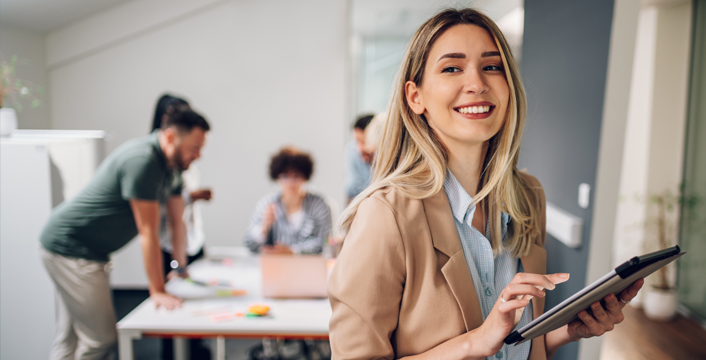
{"points": [[369, 17], [400, 18], [43, 16]]}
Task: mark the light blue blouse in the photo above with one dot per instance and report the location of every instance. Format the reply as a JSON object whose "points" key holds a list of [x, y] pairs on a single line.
{"points": [[490, 274]]}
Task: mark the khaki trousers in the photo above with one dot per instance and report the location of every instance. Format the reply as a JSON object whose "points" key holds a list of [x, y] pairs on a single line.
{"points": [[85, 319]]}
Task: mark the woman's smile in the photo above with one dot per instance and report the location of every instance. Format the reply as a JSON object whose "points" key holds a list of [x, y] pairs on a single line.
{"points": [[476, 110]]}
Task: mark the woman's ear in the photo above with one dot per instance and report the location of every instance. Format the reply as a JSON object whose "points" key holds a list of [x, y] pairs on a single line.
{"points": [[413, 97]]}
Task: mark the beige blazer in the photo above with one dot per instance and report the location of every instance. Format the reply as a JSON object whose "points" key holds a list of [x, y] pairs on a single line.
{"points": [[401, 285]]}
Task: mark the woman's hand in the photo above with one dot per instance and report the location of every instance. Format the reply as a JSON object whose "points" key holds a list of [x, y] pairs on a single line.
{"points": [[268, 218], [602, 318], [508, 308]]}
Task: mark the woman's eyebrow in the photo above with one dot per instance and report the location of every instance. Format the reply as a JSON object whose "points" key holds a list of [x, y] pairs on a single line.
{"points": [[452, 56], [463, 56]]}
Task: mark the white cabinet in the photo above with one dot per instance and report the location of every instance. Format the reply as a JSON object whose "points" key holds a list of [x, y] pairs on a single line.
{"points": [[38, 169]]}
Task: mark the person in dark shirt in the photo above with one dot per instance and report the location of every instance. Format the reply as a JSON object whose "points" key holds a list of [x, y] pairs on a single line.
{"points": [[121, 201], [358, 161]]}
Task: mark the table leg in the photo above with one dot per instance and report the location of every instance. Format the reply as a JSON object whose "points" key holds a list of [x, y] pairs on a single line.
{"points": [[181, 348], [220, 348], [125, 338]]}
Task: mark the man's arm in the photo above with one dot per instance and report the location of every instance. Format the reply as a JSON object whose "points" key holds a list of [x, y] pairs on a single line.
{"points": [[146, 214], [175, 213]]}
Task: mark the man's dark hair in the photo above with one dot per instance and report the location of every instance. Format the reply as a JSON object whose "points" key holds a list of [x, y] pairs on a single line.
{"points": [[291, 159], [362, 121], [166, 104], [185, 120]]}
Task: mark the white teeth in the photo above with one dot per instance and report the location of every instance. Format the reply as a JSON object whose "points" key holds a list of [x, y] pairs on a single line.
{"points": [[474, 109]]}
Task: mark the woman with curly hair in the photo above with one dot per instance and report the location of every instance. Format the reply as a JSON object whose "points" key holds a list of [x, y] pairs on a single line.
{"points": [[291, 220]]}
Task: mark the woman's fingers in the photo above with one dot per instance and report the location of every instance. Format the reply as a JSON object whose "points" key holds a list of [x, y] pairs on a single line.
{"points": [[513, 291], [613, 306], [602, 317], [557, 278], [594, 328], [545, 281], [629, 293], [512, 305]]}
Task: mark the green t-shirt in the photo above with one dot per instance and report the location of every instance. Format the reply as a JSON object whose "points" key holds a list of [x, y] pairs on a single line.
{"points": [[99, 220]]}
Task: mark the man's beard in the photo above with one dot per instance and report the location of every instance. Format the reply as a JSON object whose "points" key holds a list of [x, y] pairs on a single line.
{"points": [[179, 162]]}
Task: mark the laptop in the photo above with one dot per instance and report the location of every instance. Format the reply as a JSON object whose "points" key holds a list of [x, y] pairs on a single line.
{"points": [[293, 276]]}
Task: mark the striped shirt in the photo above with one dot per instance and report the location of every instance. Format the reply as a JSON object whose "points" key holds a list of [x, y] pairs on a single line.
{"points": [[490, 274], [305, 235]]}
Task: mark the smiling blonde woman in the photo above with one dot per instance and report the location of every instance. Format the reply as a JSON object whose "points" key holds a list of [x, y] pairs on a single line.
{"points": [[444, 250]]}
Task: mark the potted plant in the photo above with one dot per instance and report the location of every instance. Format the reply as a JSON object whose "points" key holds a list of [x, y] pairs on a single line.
{"points": [[660, 298], [13, 92]]}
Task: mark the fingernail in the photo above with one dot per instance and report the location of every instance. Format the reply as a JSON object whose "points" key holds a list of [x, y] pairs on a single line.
{"points": [[564, 275], [582, 313]]}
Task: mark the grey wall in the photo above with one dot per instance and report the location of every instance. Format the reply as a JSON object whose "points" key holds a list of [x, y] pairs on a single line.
{"points": [[564, 65]]}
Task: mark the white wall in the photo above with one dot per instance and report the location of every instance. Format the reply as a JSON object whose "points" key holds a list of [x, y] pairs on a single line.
{"points": [[30, 47], [633, 181], [654, 142], [264, 73], [624, 31]]}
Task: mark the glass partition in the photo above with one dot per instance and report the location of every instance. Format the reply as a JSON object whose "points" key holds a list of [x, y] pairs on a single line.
{"points": [[692, 238]]}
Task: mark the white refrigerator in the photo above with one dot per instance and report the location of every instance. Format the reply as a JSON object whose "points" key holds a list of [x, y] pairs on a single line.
{"points": [[38, 170]]}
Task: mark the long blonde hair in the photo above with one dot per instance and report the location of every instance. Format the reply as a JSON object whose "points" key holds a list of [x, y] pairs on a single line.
{"points": [[412, 159]]}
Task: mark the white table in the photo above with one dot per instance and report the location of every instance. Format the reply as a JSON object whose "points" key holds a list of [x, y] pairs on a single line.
{"points": [[289, 319]]}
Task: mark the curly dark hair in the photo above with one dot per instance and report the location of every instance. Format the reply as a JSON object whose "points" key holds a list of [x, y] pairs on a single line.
{"points": [[291, 159]]}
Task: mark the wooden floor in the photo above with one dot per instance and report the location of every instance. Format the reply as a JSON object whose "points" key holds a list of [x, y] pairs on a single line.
{"points": [[638, 338]]}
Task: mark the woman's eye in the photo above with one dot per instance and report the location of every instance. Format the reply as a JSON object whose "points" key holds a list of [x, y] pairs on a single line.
{"points": [[450, 69], [493, 68]]}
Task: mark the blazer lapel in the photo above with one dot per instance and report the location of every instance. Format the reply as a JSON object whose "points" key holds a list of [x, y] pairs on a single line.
{"points": [[445, 239], [536, 263]]}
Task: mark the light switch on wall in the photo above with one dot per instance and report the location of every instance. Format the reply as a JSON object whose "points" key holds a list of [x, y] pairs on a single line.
{"points": [[584, 195]]}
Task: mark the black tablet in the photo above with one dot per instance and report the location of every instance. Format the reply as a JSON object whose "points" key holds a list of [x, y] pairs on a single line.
{"points": [[614, 282]]}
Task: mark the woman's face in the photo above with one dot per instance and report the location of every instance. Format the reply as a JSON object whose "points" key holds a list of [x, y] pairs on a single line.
{"points": [[464, 93], [291, 182]]}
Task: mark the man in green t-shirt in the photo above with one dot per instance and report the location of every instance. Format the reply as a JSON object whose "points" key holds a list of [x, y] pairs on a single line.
{"points": [[121, 201]]}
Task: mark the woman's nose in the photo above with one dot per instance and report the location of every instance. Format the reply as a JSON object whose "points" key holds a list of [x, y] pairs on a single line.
{"points": [[475, 83]]}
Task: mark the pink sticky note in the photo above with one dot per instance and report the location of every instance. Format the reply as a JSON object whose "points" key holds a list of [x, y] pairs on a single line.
{"points": [[221, 317]]}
